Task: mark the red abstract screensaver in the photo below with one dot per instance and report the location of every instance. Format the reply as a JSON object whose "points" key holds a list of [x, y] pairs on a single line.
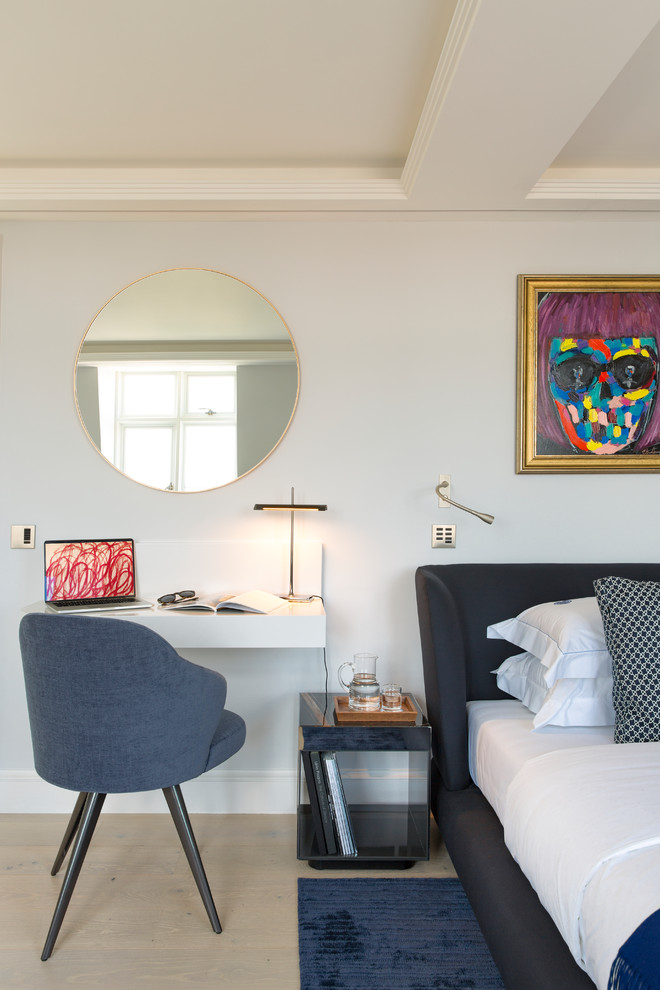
{"points": [[89, 570]]}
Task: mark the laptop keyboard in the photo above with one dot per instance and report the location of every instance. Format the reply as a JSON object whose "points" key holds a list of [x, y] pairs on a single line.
{"points": [[93, 601]]}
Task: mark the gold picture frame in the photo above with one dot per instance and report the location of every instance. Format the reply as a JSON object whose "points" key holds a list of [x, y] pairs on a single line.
{"points": [[588, 374]]}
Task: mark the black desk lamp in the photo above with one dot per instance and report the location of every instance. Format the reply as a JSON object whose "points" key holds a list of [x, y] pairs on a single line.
{"points": [[292, 508]]}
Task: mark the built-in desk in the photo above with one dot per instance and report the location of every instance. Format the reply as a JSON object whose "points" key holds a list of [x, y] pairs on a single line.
{"points": [[299, 624], [215, 568], [267, 660]]}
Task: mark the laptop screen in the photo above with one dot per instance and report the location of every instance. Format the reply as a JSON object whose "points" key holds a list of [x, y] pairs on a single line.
{"points": [[80, 569]]}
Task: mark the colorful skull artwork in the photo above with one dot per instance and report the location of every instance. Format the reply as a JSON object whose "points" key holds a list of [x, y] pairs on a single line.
{"points": [[598, 369], [603, 389]]}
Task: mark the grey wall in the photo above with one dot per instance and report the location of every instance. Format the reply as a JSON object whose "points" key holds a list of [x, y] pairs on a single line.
{"points": [[265, 395], [406, 333]]}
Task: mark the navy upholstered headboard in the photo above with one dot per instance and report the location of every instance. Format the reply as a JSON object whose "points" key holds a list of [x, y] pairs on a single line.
{"points": [[455, 604]]}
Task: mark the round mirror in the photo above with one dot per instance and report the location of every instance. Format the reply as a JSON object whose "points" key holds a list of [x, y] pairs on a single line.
{"points": [[186, 380]]}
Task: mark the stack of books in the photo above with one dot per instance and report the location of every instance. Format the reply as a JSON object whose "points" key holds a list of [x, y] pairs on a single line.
{"points": [[330, 813]]}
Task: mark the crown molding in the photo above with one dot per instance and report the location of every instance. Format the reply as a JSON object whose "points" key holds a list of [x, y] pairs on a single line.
{"points": [[189, 185], [32, 189], [459, 29], [598, 183]]}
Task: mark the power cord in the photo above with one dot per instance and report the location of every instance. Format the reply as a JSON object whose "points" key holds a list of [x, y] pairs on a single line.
{"points": [[325, 667], [325, 706]]}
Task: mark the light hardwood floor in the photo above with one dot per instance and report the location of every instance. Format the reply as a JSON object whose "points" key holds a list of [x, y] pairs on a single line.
{"points": [[136, 919]]}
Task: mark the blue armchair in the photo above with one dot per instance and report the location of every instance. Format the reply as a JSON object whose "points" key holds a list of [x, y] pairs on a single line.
{"points": [[113, 709]]}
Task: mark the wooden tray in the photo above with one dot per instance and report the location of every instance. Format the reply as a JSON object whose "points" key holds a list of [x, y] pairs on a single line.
{"points": [[344, 714]]}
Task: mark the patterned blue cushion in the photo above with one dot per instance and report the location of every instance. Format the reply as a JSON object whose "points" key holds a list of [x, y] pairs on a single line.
{"points": [[631, 618]]}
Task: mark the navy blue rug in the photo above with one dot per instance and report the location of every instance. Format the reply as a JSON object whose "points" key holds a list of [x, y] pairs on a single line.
{"points": [[395, 934]]}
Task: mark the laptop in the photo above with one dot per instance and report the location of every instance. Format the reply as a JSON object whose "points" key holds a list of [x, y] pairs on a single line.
{"points": [[90, 576]]}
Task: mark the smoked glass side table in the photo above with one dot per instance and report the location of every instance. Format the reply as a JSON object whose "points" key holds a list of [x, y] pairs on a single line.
{"points": [[385, 780]]}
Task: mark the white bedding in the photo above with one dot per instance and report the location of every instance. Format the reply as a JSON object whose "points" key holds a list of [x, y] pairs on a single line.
{"points": [[581, 816], [502, 738]]}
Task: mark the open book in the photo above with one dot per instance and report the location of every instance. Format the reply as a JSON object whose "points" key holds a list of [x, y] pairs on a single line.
{"points": [[250, 601]]}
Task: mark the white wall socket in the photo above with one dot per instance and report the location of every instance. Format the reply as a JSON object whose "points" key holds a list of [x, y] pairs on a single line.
{"points": [[445, 481], [22, 537]]}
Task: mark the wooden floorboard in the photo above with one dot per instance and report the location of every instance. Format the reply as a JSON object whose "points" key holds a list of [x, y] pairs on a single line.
{"points": [[136, 919]]}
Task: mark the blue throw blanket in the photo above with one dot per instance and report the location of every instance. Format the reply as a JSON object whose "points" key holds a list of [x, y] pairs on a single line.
{"points": [[637, 967]]}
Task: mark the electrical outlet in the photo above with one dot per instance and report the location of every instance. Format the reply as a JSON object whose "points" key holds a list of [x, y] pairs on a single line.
{"points": [[22, 537], [443, 537], [444, 481]]}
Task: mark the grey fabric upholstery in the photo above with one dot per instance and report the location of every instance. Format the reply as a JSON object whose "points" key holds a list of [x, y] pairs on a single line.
{"points": [[114, 708]]}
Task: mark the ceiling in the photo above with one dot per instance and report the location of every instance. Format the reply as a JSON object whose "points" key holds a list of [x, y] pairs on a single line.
{"points": [[384, 107]]}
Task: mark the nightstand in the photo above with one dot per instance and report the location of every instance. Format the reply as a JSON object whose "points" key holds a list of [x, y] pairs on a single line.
{"points": [[384, 771]]}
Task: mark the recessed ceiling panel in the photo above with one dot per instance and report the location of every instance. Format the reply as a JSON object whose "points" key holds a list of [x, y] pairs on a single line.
{"points": [[622, 129], [207, 83]]}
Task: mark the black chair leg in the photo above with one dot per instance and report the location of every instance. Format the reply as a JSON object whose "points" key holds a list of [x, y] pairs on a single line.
{"points": [[179, 813], [88, 819], [69, 835]]}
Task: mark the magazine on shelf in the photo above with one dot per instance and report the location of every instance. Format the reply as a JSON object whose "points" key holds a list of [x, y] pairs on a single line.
{"points": [[261, 602], [342, 817], [319, 803]]}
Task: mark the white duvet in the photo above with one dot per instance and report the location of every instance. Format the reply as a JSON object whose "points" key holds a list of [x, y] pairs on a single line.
{"points": [[584, 825]]}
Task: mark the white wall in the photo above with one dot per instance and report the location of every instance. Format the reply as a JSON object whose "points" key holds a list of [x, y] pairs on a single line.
{"points": [[406, 333]]}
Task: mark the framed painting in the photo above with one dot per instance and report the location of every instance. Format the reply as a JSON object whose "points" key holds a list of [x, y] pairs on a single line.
{"points": [[588, 368]]}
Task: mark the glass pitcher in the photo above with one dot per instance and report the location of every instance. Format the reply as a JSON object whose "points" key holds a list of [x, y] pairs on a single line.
{"points": [[363, 688]]}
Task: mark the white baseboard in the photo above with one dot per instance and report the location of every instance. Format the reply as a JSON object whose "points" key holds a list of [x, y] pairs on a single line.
{"points": [[218, 792]]}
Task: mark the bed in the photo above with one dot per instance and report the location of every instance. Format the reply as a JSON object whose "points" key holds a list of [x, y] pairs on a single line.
{"points": [[456, 603]]}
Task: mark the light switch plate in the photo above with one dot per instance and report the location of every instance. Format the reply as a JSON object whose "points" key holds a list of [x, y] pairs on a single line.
{"points": [[443, 537], [22, 537]]}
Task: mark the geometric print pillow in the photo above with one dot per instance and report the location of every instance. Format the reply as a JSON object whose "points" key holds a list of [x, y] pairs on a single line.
{"points": [[631, 619]]}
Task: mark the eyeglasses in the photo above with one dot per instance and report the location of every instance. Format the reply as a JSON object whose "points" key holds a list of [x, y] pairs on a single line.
{"points": [[176, 596], [578, 373]]}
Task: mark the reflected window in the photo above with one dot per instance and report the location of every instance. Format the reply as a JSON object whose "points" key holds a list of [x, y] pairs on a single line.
{"points": [[146, 394], [214, 358], [207, 449], [171, 430], [211, 393], [147, 454]]}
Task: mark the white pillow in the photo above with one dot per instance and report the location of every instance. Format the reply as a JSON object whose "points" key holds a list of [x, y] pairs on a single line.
{"points": [[570, 701], [523, 678], [567, 636], [577, 701]]}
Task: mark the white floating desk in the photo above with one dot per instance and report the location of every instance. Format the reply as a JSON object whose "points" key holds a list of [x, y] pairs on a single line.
{"points": [[295, 625]]}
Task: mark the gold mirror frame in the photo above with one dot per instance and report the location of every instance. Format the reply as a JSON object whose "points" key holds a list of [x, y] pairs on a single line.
{"points": [[190, 322], [537, 452]]}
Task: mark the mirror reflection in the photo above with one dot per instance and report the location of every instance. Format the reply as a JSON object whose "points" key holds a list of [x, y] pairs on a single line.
{"points": [[186, 379]]}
